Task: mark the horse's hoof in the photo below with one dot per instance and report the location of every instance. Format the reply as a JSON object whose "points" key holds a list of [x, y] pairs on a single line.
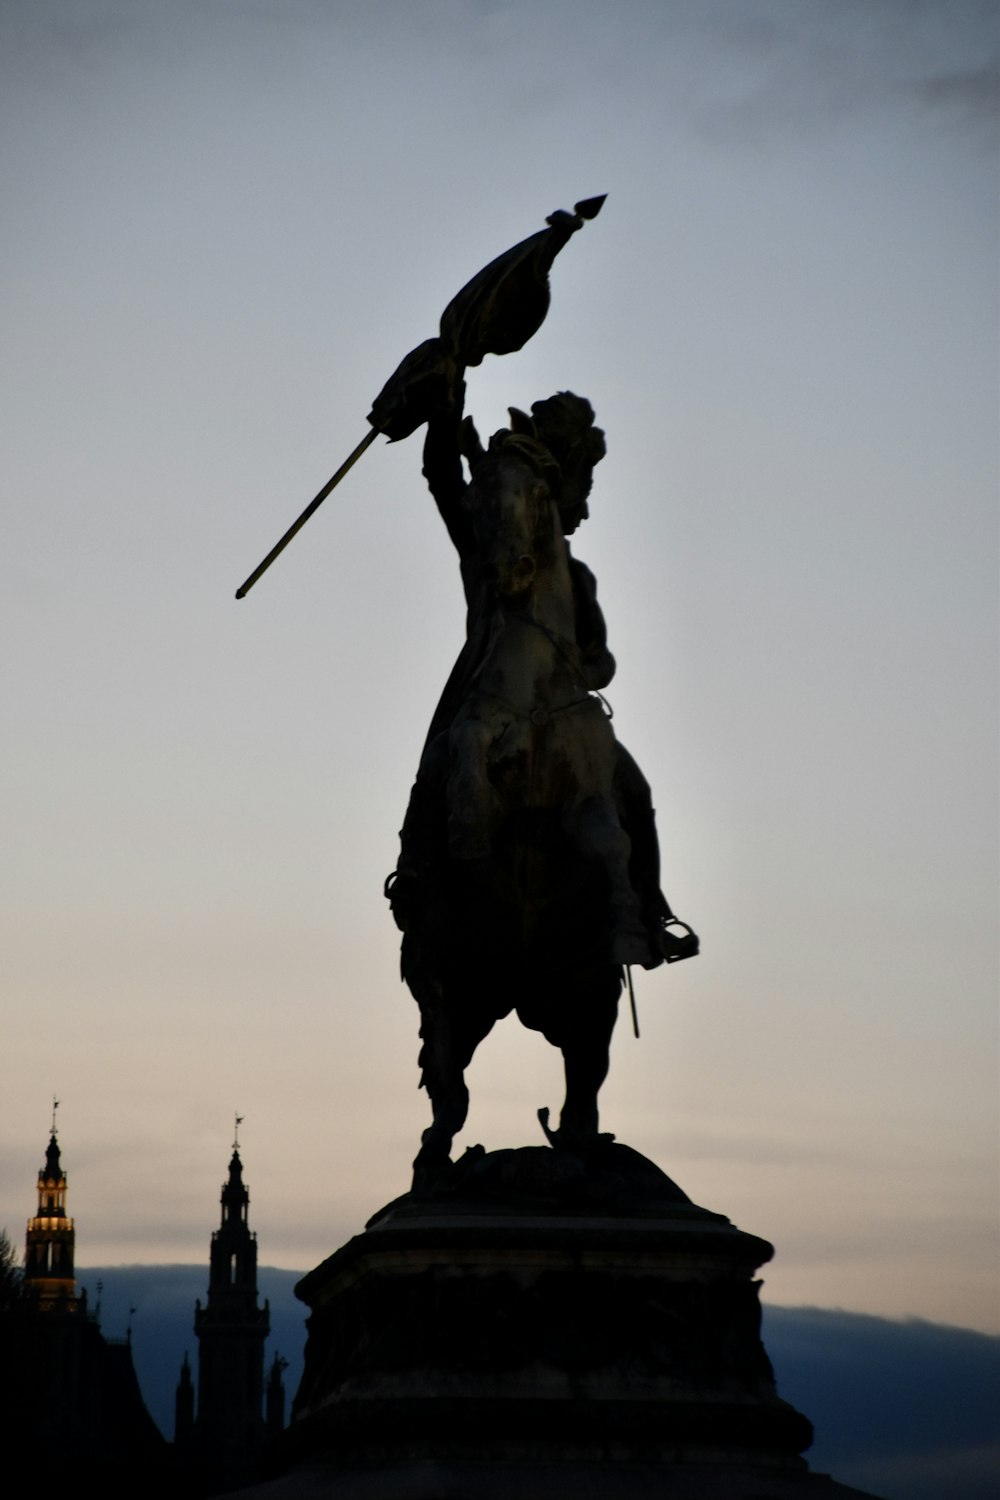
{"points": [[575, 1142], [428, 1174], [572, 1138], [430, 1164]]}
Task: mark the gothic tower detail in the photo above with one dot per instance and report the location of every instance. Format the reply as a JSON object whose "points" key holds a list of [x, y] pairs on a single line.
{"points": [[49, 1279], [184, 1408], [231, 1331]]}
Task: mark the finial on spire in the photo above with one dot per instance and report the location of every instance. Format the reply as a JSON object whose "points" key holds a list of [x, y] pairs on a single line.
{"points": [[236, 1132], [55, 1106]]}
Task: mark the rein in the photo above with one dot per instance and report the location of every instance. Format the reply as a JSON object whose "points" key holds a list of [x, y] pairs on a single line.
{"points": [[567, 650], [540, 716], [561, 643]]}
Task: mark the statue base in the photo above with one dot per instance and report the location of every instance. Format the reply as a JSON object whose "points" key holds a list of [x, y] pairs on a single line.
{"points": [[544, 1322]]}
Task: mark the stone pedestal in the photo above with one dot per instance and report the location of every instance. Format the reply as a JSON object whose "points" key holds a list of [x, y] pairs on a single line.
{"points": [[544, 1323]]}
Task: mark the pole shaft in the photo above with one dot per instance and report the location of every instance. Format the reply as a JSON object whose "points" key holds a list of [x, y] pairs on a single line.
{"points": [[631, 998], [297, 525]]}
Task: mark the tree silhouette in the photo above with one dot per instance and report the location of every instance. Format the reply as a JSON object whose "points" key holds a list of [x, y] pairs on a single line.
{"points": [[11, 1280]]}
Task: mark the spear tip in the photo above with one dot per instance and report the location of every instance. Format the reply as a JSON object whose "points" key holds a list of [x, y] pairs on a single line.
{"points": [[589, 208]]}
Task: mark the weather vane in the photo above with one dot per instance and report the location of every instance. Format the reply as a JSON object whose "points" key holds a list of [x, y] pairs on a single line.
{"points": [[236, 1131]]}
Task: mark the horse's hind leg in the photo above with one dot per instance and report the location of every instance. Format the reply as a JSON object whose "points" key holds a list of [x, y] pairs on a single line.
{"points": [[586, 1057], [452, 1026]]}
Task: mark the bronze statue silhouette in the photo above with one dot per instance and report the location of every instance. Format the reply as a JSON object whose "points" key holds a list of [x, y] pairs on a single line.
{"points": [[529, 869]]}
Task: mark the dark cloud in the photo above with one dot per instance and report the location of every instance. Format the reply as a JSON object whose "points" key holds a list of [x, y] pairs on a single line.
{"points": [[908, 1410], [808, 67], [973, 93]]}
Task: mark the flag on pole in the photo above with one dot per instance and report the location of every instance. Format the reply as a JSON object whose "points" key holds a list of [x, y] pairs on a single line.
{"points": [[497, 312]]}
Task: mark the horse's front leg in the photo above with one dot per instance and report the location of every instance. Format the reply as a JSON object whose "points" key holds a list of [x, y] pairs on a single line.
{"points": [[443, 1076]]}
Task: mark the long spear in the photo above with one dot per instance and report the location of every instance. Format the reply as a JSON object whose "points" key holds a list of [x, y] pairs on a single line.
{"points": [[495, 313], [331, 484]]}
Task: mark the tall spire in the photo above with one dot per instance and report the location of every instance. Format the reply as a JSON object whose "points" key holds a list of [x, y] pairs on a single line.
{"points": [[184, 1407], [49, 1278], [231, 1331]]}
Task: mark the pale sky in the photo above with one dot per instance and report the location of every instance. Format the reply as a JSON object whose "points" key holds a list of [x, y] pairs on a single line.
{"points": [[225, 223]]}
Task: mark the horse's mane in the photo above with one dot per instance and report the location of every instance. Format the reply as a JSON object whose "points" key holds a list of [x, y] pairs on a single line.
{"points": [[508, 444]]}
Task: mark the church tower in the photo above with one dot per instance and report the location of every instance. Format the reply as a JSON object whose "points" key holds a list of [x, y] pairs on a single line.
{"points": [[71, 1403], [49, 1279], [231, 1331]]}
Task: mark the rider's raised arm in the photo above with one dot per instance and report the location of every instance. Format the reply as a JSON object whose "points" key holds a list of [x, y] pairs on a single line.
{"points": [[443, 467]]}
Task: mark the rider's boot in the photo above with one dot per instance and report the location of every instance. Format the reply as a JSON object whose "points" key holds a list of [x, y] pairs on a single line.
{"points": [[630, 938]]}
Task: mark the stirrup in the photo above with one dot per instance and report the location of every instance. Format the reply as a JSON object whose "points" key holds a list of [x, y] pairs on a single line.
{"points": [[677, 945]]}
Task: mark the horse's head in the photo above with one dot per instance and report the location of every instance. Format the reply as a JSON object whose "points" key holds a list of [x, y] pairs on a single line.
{"points": [[564, 426], [513, 513]]}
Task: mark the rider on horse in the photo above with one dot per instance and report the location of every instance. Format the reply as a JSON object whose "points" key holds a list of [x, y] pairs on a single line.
{"points": [[526, 920], [564, 428]]}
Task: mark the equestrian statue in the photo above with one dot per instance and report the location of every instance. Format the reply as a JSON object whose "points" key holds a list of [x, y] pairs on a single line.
{"points": [[529, 870]]}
